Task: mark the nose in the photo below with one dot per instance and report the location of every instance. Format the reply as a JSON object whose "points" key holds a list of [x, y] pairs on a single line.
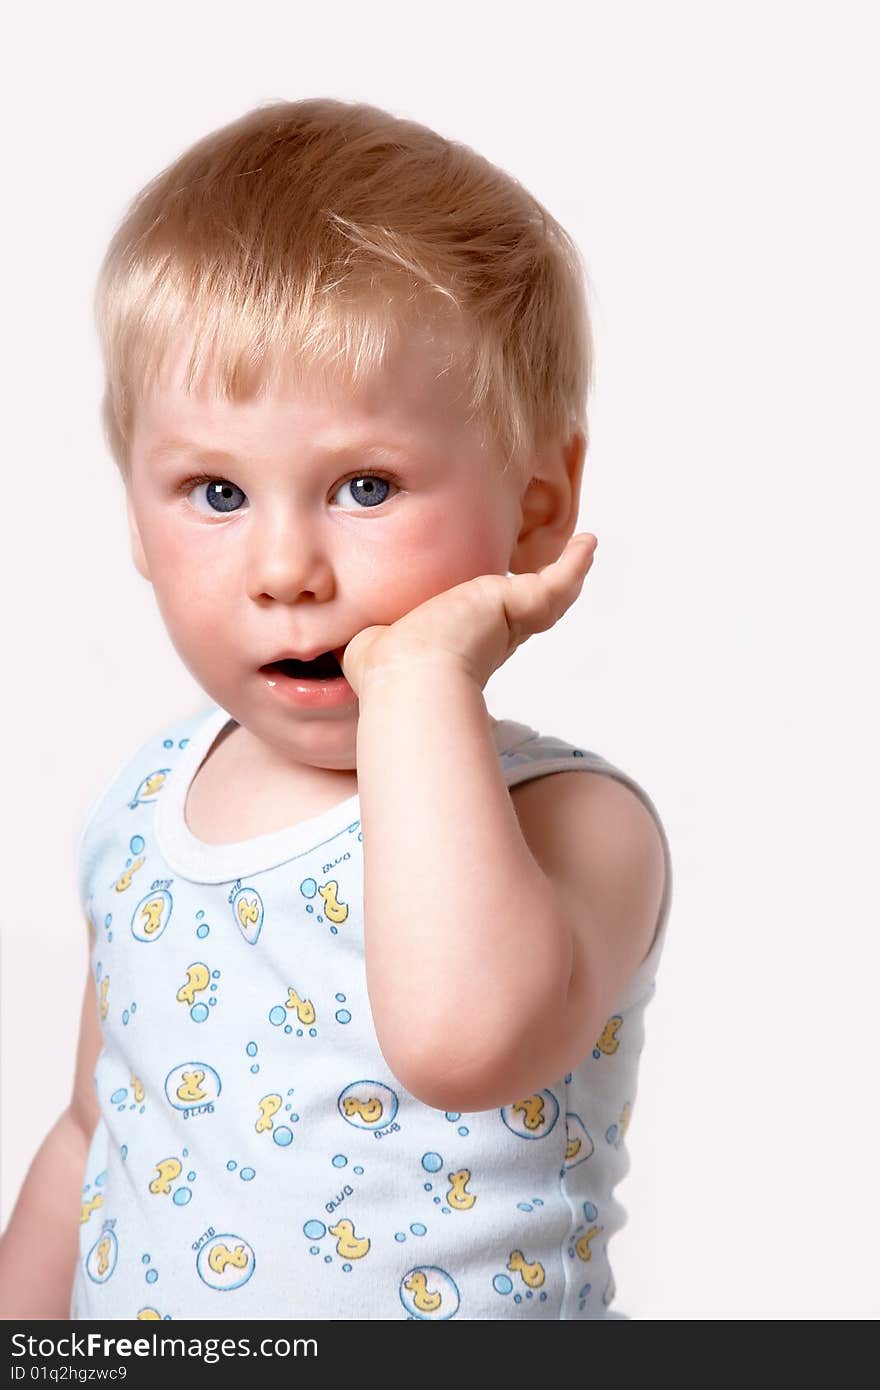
{"points": [[287, 557]]}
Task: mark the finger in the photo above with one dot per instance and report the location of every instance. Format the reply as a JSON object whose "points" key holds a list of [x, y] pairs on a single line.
{"points": [[578, 549], [567, 574], [581, 547], [535, 602]]}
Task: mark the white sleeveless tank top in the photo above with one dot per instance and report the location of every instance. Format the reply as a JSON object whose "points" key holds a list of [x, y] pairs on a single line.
{"points": [[254, 1156]]}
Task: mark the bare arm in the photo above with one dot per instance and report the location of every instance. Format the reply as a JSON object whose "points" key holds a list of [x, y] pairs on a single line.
{"points": [[38, 1251], [467, 950], [39, 1248]]}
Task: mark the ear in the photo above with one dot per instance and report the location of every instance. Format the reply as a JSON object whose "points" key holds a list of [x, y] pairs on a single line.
{"points": [[137, 546], [550, 504]]}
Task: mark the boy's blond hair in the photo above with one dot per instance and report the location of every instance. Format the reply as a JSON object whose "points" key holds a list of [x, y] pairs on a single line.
{"points": [[308, 233]]}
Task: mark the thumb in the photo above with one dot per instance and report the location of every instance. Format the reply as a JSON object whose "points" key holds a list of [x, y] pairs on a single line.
{"points": [[357, 651]]}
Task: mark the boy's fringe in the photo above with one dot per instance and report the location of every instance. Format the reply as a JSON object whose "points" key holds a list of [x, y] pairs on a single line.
{"points": [[308, 235]]}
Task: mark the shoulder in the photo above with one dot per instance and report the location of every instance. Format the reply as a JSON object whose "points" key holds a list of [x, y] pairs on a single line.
{"points": [[556, 808], [158, 750], [126, 781], [602, 851]]}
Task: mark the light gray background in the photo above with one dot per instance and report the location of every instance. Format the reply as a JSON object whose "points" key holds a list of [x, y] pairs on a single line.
{"points": [[717, 164]]}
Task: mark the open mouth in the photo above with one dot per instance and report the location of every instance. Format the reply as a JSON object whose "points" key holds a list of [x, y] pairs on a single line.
{"points": [[325, 667]]}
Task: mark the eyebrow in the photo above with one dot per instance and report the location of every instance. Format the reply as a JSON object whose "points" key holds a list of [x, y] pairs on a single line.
{"points": [[172, 445]]}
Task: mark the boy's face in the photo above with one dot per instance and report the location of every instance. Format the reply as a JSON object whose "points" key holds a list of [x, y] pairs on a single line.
{"points": [[291, 556]]}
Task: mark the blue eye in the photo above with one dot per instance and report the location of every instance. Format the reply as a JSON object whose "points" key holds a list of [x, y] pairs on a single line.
{"points": [[220, 494], [370, 490]]}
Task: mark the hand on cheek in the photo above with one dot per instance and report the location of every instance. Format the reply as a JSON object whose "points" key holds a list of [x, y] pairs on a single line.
{"points": [[475, 625]]}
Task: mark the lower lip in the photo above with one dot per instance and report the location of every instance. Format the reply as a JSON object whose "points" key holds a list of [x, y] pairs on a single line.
{"points": [[310, 694]]}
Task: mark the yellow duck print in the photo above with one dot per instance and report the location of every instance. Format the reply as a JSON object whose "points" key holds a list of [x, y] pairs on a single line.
{"points": [[124, 879], [456, 1196], [166, 1171], [151, 912], [348, 1246], [248, 912], [88, 1207], [417, 1285], [190, 1090], [103, 1256], [153, 783], [532, 1111], [105, 989], [333, 908], [149, 1315], [198, 977], [137, 1087], [572, 1147], [304, 1008], [369, 1110], [532, 1274], [608, 1042], [221, 1256], [269, 1106], [582, 1246]]}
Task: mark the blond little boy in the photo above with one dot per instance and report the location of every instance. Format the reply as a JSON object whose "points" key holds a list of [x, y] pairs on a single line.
{"points": [[347, 367]]}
